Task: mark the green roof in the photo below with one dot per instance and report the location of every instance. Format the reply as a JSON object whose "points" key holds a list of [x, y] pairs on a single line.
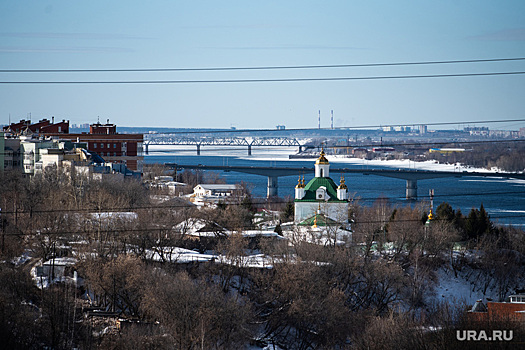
{"points": [[322, 220], [314, 184]]}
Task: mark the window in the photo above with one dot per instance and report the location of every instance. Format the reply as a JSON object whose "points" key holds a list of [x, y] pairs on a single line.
{"points": [[114, 145], [101, 145], [94, 145], [320, 193], [109, 146]]}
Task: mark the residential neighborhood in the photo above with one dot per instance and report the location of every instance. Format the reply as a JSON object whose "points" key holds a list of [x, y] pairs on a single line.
{"points": [[262, 175]]}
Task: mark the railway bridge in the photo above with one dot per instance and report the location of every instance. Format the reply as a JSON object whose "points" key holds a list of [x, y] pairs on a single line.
{"points": [[199, 142]]}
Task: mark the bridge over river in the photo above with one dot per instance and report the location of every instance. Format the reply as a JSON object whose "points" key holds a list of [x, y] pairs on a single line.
{"points": [[410, 176], [201, 141]]}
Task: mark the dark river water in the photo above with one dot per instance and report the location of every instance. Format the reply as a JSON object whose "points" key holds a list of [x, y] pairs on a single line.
{"points": [[504, 199]]}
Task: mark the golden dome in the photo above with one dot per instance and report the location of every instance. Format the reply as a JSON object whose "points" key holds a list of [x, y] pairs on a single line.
{"points": [[342, 186], [322, 159], [300, 184]]}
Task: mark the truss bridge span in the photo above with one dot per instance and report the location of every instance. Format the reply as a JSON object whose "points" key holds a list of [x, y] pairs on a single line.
{"points": [[198, 142]]}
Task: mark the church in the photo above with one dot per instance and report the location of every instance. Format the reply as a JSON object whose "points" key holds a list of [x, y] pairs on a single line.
{"points": [[321, 202]]}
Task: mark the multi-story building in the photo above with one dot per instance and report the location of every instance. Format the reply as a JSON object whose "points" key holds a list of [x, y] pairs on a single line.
{"points": [[10, 153], [102, 139], [511, 310], [2, 152], [44, 126], [35, 155], [31, 150]]}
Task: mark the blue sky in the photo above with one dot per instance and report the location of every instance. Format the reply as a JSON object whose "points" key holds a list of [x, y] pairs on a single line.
{"points": [[201, 34]]}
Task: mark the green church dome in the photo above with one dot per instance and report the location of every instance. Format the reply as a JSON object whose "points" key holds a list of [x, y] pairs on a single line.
{"points": [[315, 184]]}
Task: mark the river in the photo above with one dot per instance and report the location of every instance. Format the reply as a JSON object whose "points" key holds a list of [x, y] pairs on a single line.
{"points": [[503, 199]]}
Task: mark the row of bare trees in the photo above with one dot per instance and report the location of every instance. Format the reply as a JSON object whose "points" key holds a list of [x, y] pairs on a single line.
{"points": [[508, 156], [374, 293]]}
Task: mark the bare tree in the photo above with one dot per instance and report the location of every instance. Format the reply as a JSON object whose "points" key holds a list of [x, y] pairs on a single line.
{"points": [[117, 283], [197, 315]]}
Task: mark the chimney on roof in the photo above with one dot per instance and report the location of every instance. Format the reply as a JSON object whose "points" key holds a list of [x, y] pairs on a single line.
{"points": [[53, 119]]}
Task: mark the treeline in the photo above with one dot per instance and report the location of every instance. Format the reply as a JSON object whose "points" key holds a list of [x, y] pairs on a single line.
{"points": [[505, 156], [375, 293]]}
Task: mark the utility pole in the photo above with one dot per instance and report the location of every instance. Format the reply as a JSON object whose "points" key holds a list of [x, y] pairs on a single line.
{"points": [[2, 222], [431, 193]]}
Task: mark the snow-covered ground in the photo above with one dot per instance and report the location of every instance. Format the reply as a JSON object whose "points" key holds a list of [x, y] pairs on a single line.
{"points": [[181, 255], [397, 164], [53, 271], [282, 154], [456, 290]]}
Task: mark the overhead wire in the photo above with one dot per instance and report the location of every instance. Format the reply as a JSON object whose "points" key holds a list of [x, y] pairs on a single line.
{"points": [[266, 80], [259, 67], [205, 147], [340, 128], [261, 199], [120, 229]]}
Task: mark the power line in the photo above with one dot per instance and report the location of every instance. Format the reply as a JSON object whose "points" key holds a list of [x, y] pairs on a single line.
{"points": [[210, 148], [233, 131], [340, 128], [283, 201], [276, 80], [258, 67], [384, 144], [171, 228]]}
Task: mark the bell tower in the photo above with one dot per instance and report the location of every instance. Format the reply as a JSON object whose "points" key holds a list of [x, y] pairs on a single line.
{"points": [[322, 166]]}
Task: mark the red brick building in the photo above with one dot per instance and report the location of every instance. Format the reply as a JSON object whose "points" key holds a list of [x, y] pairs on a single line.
{"points": [[513, 310], [44, 126], [102, 139]]}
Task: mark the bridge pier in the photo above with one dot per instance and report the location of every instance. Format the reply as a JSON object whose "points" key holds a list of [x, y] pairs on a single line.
{"points": [[300, 149], [411, 189], [249, 150], [198, 149], [147, 148], [272, 186]]}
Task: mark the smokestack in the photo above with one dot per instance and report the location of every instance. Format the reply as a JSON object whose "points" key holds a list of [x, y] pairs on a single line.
{"points": [[332, 120], [53, 120], [319, 120]]}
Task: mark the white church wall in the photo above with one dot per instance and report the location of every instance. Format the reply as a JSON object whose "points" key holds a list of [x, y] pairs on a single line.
{"points": [[334, 210]]}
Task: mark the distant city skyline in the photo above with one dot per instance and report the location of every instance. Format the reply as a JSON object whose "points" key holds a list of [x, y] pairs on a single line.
{"points": [[131, 35]]}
